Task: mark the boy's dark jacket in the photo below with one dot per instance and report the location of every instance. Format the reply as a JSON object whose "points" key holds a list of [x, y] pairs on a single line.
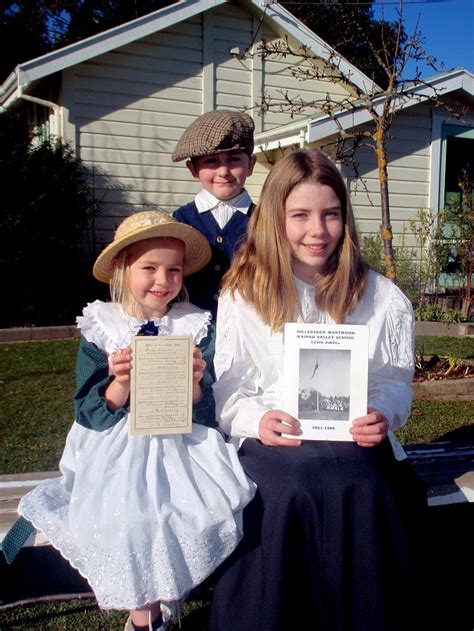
{"points": [[203, 286]]}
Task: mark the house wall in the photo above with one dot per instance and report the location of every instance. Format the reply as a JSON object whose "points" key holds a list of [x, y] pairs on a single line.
{"points": [[409, 164], [288, 88], [409, 152], [126, 109]]}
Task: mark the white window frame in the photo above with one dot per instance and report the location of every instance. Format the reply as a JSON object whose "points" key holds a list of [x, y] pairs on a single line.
{"points": [[438, 153]]}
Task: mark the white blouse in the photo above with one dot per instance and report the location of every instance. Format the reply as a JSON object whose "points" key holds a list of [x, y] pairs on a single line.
{"points": [[249, 357]]}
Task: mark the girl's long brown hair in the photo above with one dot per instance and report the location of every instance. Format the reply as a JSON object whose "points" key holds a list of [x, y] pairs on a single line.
{"points": [[261, 270]]}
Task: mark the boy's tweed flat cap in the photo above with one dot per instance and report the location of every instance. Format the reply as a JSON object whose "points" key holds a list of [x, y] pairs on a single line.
{"points": [[215, 132]]}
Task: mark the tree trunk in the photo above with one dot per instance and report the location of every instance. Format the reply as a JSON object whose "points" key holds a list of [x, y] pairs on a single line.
{"points": [[386, 227], [467, 299]]}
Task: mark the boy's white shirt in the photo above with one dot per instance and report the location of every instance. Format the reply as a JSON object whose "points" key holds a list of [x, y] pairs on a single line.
{"points": [[222, 211]]}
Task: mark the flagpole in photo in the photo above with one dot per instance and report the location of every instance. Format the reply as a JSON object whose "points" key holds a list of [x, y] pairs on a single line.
{"points": [[317, 390]]}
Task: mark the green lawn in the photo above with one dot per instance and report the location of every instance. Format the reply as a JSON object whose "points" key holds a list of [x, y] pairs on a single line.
{"points": [[85, 615], [37, 384], [456, 347]]}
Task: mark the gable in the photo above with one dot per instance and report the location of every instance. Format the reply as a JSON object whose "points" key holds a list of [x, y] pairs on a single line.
{"points": [[282, 21], [126, 109], [128, 94]]}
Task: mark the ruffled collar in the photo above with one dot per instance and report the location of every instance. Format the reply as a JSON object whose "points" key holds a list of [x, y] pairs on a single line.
{"points": [[108, 326], [135, 324]]}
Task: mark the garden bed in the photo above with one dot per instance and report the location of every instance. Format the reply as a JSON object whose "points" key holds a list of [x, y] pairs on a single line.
{"points": [[442, 378], [437, 368]]}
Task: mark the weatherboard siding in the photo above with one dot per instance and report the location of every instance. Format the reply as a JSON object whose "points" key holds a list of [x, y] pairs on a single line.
{"points": [[408, 176], [231, 32], [131, 105], [279, 82]]}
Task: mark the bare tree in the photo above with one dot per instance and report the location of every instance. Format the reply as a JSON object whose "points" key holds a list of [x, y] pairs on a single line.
{"points": [[394, 51]]}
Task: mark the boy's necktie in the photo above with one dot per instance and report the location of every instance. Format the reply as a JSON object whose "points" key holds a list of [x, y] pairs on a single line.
{"points": [[149, 328]]}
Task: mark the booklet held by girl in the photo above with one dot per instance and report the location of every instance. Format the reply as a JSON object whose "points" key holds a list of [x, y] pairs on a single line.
{"points": [[325, 377], [161, 391]]}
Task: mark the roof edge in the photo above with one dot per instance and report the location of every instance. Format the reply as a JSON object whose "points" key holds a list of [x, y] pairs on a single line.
{"points": [[285, 20], [444, 82], [143, 26], [9, 90], [105, 41]]}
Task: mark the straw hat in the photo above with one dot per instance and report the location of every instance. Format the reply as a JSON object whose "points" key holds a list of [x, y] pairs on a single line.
{"points": [[149, 224], [215, 132]]}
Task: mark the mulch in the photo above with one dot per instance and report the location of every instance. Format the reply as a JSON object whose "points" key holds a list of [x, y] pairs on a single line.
{"points": [[436, 368]]}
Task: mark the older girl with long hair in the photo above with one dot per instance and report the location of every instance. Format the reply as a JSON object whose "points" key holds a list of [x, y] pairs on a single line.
{"points": [[331, 540]]}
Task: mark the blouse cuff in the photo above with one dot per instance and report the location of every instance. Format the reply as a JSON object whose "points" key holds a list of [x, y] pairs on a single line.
{"points": [[246, 427]]}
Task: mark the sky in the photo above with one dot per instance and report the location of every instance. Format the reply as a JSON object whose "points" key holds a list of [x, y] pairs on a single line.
{"points": [[446, 25], [335, 362]]}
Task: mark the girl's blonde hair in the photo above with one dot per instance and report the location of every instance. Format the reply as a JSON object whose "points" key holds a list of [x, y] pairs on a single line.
{"points": [[261, 270], [120, 285]]}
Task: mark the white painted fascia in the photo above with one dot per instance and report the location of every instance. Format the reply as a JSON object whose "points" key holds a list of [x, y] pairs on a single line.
{"points": [[113, 38], [163, 18], [458, 79], [282, 137], [280, 143], [288, 23], [9, 91]]}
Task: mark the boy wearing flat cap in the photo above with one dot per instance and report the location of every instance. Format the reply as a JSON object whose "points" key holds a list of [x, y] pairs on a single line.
{"points": [[218, 148]]}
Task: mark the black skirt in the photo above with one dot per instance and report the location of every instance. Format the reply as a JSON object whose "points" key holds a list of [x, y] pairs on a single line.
{"points": [[332, 541]]}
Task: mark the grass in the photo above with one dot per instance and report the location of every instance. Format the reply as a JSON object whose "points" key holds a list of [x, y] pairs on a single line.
{"points": [[37, 383], [62, 616], [436, 420], [86, 615], [456, 347]]}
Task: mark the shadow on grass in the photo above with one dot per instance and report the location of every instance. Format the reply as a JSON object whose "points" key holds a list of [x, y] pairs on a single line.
{"points": [[33, 615], [461, 433]]}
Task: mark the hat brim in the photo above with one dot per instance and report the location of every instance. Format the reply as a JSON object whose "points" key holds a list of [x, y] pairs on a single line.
{"points": [[199, 152], [197, 249]]}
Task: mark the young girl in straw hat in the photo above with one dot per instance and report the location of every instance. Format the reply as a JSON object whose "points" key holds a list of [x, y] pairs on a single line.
{"points": [[331, 539], [144, 518]]}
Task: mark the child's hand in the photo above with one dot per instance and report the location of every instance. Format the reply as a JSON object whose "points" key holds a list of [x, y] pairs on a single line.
{"points": [[118, 391], [198, 365], [120, 364], [198, 370], [275, 422], [370, 430]]}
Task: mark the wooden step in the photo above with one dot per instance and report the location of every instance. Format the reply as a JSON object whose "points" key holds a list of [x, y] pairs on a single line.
{"points": [[12, 488], [447, 470]]}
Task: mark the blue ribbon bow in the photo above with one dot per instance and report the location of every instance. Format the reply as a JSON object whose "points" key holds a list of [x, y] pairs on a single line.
{"points": [[149, 328]]}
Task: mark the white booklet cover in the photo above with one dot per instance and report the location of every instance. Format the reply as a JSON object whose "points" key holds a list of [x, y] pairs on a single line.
{"points": [[325, 377]]}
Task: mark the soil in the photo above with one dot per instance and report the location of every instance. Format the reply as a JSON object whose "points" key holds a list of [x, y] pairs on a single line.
{"points": [[436, 368]]}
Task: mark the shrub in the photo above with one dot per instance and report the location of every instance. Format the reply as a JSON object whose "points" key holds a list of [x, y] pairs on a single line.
{"points": [[434, 313], [407, 269], [46, 205]]}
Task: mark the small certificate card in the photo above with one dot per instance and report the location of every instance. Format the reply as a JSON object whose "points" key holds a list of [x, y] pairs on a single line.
{"points": [[325, 378], [161, 393]]}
